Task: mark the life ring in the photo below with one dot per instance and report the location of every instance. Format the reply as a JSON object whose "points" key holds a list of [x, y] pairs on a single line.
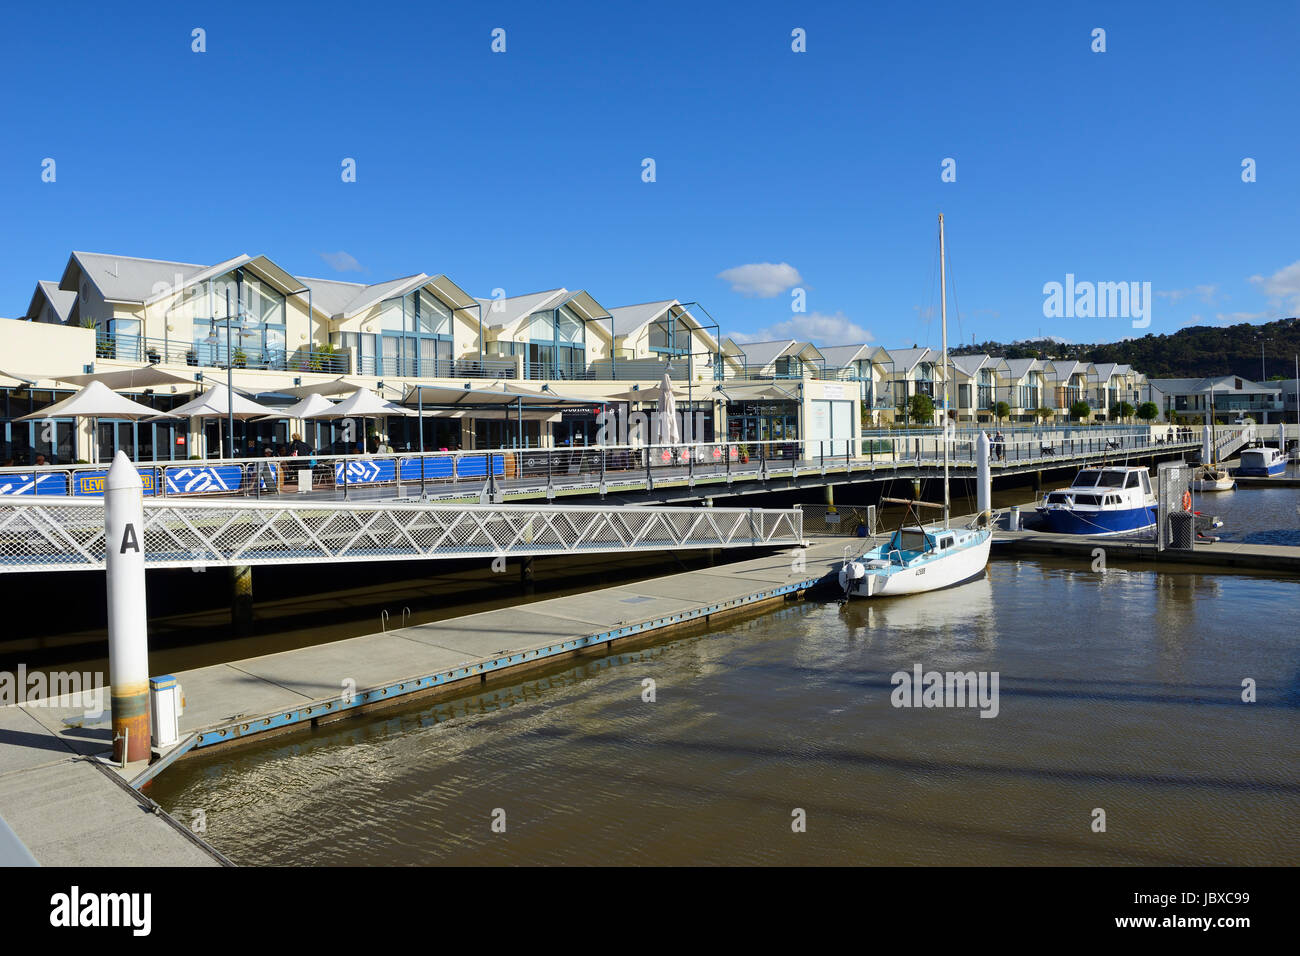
{"points": [[1187, 501]]}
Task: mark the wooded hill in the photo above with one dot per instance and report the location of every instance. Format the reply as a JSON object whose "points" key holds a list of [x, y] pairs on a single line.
{"points": [[1194, 352]]}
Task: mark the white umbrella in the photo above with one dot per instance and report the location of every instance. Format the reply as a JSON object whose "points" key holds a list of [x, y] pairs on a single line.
{"points": [[309, 407], [216, 403], [144, 377], [362, 404], [669, 431], [97, 401]]}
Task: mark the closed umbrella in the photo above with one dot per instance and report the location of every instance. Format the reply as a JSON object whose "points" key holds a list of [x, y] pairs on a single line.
{"points": [[97, 401], [669, 431]]}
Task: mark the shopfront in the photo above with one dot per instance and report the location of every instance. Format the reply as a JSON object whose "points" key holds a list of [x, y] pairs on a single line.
{"points": [[764, 421]]}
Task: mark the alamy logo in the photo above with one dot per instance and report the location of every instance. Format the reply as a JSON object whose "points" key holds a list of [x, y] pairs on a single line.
{"points": [[75, 908], [55, 689], [921, 688], [1098, 300]]}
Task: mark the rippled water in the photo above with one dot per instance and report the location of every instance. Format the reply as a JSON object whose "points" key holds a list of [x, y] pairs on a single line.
{"points": [[1118, 691]]}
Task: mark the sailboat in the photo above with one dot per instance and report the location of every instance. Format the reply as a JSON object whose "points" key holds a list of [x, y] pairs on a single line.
{"points": [[917, 558], [1210, 475]]}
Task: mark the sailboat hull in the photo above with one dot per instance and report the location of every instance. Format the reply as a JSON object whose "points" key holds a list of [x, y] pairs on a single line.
{"points": [[938, 571]]}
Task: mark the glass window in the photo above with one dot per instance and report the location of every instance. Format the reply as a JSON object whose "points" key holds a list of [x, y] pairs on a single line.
{"points": [[432, 315], [390, 316], [541, 327]]}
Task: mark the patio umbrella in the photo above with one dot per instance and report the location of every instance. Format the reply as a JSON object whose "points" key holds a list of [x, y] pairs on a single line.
{"points": [[309, 407], [669, 431], [146, 377], [216, 403], [362, 404], [97, 401]]}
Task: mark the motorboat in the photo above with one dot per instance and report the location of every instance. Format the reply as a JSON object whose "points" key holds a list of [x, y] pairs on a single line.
{"points": [[1263, 462], [1115, 499]]}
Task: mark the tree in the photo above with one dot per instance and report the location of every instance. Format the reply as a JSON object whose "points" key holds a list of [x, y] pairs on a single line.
{"points": [[1044, 414], [920, 408], [1080, 410], [1001, 410], [1121, 411], [1148, 411]]}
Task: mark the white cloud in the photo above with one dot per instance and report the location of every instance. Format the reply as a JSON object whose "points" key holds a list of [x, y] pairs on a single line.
{"points": [[342, 262], [1283, 286], [814, 327], [761, 280]]}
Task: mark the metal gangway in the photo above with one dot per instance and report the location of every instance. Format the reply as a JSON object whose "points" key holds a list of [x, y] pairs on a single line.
{"points": [[67, 534]]}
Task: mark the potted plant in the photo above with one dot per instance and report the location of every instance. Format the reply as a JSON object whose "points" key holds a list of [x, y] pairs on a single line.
{"points": [[191, 357], [744, 454], [240, 358], [152, 355]]}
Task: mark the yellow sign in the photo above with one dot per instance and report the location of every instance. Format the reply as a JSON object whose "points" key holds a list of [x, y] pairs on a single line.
{"points": [[94, 484]]}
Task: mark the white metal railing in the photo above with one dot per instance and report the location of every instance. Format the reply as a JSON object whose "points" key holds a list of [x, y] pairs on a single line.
{"points": [[66, 534], [489, 475]]}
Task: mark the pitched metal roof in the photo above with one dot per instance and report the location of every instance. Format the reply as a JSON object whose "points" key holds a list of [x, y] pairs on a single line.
{"points": [[630, 318], [60, 301], [125, 278], [904, 360], [970, 364], [502, 313]]}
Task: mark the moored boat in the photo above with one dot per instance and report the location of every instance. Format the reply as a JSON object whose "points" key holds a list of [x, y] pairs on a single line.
{"points": [[1262, 462], [1212, 478], [1102, 501], [917, 558]]}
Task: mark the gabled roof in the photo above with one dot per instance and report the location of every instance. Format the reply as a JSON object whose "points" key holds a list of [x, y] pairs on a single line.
{"points": [[1016, 369], [59, 300], [904, 360], [1104, 371], [968, 365], [500, 314], [629, 319], [840, 356], [1062, 369], [762, 354], [125, 278], [331, 296]]}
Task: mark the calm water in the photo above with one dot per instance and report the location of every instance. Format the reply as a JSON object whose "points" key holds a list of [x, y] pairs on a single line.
{"points": [[1118, 690]]}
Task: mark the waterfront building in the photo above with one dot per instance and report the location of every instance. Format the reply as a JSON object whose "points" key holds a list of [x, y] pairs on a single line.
{"points": [[1233, 397]]}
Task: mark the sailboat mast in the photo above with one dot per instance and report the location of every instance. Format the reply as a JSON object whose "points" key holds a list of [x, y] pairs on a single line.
{"points": [[943, 313]]}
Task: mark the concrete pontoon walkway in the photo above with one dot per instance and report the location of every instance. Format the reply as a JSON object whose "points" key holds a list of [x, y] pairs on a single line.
{"points": [[69, 810], [1219, 555], [297, 688]]}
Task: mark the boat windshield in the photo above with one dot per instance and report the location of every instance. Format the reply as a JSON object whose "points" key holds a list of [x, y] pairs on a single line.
{"points": [[1112, 479], [1086, 479], [910, 539]]}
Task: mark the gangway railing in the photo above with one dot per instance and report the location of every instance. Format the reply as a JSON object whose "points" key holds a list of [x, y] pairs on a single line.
{"points": [[38, 534], [493, 475]]}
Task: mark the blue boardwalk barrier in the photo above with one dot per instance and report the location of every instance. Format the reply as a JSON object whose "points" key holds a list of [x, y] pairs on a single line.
{"points": [[203, 479], [47, 483], [91, 483]]}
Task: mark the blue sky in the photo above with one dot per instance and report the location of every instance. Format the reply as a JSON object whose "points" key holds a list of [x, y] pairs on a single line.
{"points": [[523, 170]]}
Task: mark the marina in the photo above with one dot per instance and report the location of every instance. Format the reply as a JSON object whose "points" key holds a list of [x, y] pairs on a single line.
{"points": [[580, 440]]}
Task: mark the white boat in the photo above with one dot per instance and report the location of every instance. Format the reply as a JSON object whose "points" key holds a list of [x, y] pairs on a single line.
{"points": [[1210, 475], [1263, 462], [1115, 499], [1212, 478], [918, 558]]}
